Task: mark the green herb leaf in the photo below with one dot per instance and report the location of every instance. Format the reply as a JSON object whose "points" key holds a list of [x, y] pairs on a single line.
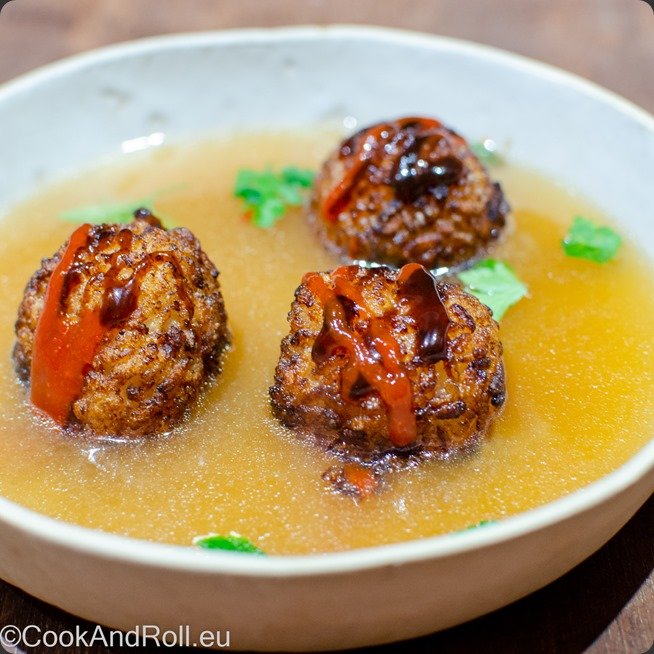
{"points": [[233, 542], [586, 240], [481, 523], [108, 213], [477, 525], [120, 212], [301, 177], [486, 151], [267, 195], [495, 284]]}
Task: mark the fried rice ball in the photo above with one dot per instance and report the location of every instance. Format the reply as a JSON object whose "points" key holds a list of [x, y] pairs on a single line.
{"points": [[408, 190], [122, 327], [383, 362]]}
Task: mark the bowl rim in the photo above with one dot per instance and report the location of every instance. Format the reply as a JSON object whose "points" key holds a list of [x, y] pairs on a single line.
{"points": [[152, 554]]}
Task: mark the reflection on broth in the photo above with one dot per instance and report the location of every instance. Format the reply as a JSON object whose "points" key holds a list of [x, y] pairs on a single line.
{"points": [[577, 352]]}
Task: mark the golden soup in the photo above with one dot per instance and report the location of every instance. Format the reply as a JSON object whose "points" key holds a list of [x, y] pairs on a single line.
{"points": [[578, 355]]}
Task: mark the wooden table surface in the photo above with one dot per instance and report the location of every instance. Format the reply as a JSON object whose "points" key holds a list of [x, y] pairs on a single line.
{"points": [[605, 605]]}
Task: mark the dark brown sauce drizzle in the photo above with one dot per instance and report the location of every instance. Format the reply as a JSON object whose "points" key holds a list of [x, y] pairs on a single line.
{"points": [[419, 289], [415, 176], [412, 175], [120, 297], [374, 357]]}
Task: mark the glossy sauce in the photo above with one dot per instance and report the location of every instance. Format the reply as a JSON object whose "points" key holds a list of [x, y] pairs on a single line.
{"points": [[372, 357], [412, 175], [64, 349], [578, 354], [372, 352], [426, 309]]}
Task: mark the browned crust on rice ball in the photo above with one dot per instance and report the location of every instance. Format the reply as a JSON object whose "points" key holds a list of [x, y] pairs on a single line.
{"points": [[149, 366], [453, 400], [408, 190]]}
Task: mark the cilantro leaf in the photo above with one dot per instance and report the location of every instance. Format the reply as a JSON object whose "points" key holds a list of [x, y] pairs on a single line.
{"points": [[586, 240], [495, 284], [267, 195], [304, 178], [232, 542], [481, 523], [486, 151], [120, 212], [109, 213], [476, 525]]}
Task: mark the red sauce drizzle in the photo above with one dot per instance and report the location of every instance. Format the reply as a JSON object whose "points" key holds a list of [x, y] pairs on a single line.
{"points": [[368, 143], [362, 479], [411, 176], [374, 358], [63, 348]]}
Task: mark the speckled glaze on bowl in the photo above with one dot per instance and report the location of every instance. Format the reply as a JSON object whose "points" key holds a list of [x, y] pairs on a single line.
{"points": [[68, 115]]}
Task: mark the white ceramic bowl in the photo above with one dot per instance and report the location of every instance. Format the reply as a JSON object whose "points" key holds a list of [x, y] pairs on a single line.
{"points": [[73, 113]]}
